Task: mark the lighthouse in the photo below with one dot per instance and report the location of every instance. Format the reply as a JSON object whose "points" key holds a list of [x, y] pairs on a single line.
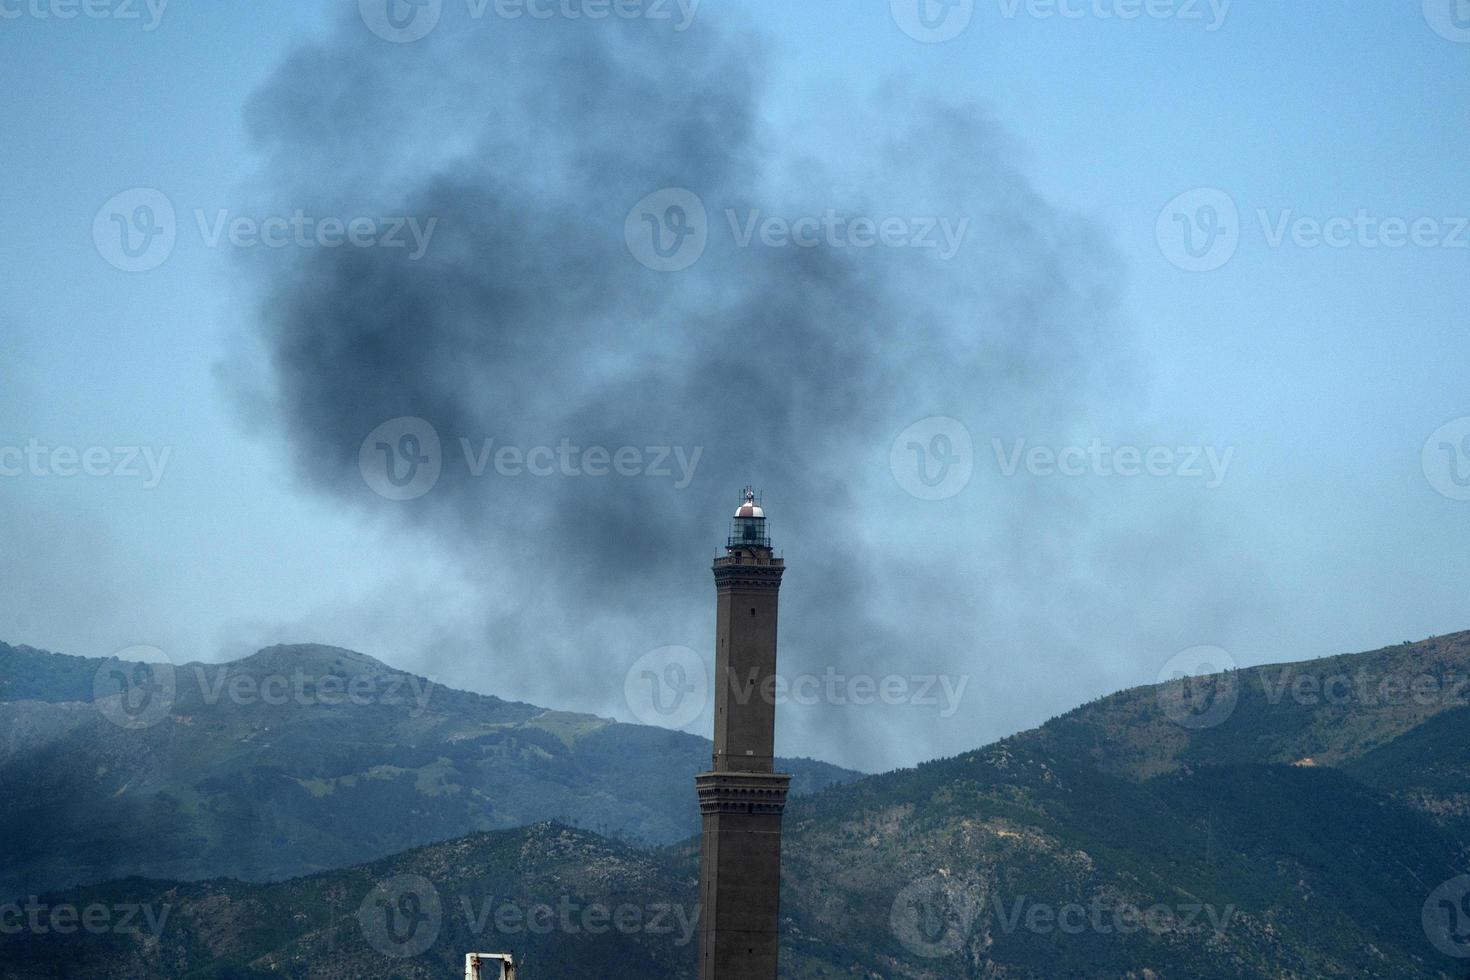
{"points": [[741, 798]]}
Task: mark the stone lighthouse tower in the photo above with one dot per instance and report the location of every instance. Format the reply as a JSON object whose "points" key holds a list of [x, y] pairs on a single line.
{"points": [[741, 799]]}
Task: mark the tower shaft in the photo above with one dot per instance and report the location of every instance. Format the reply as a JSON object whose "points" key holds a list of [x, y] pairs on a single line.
{"points": [[745, 663]]}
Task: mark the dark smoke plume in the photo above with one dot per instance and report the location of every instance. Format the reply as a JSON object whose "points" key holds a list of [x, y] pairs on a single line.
{"points": [[527, 320]]}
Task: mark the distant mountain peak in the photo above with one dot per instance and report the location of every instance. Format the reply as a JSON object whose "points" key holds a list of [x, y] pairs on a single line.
{"points": [[315, 657]]}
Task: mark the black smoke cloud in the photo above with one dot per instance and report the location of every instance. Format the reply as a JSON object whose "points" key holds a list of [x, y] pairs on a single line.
{"points": [[528, 320]]}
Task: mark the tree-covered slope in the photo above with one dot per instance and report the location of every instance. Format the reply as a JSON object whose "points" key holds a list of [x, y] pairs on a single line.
{"points": [[304, 758], [1290, 837]]}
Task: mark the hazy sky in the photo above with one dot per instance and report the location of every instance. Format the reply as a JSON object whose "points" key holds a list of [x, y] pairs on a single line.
{"points": [[1228, 243]]}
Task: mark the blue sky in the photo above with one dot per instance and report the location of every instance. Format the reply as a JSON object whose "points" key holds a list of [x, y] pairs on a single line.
{"points": [[1325, 369]]}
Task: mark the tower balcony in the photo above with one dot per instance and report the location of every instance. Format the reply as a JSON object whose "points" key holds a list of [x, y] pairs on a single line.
{"points": [[723, 791], [741, 557], [744, 540]]}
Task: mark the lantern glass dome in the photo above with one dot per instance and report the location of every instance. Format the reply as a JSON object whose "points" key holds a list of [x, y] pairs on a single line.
{"points": [[748, 528]]}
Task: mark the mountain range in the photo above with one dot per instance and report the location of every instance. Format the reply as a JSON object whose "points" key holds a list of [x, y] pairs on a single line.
{"points": [[301, 758], [1293, 820]]}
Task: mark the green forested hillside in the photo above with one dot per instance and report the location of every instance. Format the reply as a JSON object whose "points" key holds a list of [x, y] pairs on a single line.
{"points": [[1289, 838], [264, 787]]}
